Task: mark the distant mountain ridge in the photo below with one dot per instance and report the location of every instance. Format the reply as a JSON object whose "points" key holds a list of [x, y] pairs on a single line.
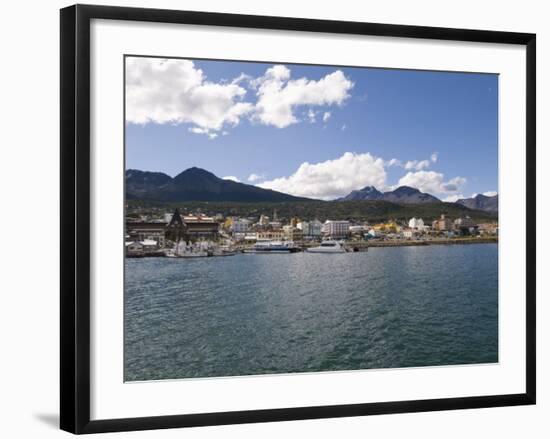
{"points": [[196, 184], [401, 195], [481, 202], [367, 193]]}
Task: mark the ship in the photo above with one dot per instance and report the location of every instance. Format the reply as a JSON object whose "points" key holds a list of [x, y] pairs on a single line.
{"points": [[272, 247]]}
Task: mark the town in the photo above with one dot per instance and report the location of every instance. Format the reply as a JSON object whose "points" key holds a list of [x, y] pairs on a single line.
{"points": [[196, 234]]}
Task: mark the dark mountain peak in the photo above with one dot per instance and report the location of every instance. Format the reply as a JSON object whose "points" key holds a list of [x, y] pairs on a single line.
{"points": [[409, 195], [406, 190], [367, 193], [402, 195], [370, 190], [197, 184], [481, 202], [195, 172]]}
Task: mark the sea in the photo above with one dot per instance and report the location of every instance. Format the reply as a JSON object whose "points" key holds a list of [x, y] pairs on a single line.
{"points": [[253, 314]]}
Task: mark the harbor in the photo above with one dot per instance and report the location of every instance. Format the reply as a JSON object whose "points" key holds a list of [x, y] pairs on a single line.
{"points": [[197, 235]]}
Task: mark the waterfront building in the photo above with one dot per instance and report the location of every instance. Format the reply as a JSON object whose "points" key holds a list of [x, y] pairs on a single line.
{"points": [[336, 229], [416, 223], [275, 225], [134, 248], [310, 229], [240, 226], [465, 226], [292, 233], [141, 231], [201, 227], [315, 228], [192, 227], [270, 235], [442, 224], [488, 228]]}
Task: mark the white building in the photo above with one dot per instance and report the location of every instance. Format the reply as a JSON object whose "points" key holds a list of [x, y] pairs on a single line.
{"points": [[408, 234], [240, 226], [310, 229], [416, 223], [336, 229]]}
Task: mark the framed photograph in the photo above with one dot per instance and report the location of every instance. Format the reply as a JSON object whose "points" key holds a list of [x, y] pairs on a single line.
{"points": [[268, 218]]}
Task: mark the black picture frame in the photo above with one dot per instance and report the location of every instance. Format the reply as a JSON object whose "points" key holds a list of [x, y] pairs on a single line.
{"points": [[75, 217]]}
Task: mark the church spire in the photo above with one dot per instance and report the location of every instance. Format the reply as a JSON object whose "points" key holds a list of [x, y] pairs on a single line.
{"points": [[176, 220]]}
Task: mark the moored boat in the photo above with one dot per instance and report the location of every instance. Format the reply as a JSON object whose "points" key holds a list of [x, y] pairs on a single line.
{"points": [[328, 247], [272, 247]]}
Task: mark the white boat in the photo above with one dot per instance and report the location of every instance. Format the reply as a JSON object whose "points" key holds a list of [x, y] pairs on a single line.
{"points": [[328, 247], [197, 250], [223, 251]]}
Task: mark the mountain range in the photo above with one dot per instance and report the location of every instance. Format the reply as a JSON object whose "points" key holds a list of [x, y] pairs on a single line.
{"points": [[195, 184], [401, 195], [481, 202]]}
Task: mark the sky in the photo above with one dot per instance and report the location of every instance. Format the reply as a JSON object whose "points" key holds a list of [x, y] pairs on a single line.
{"points": [[314, 131]]}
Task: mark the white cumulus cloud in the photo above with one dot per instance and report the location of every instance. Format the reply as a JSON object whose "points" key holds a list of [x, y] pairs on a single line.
{"points": [[417, 165], [232, 178], [255, 177], [434, 157], [175, 91], [490, 193], [332, 178], [453, 198], [279, 95], [394, 162], [432, 182]]}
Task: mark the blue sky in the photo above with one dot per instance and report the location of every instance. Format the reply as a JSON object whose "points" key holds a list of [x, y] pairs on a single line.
{"points": [[315, 131]]}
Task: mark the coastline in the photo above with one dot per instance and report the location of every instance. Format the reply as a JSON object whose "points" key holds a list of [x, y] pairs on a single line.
{"points": [[450, 241], [360, 246]]}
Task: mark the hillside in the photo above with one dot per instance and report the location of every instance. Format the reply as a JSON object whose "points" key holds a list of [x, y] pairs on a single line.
{"points": [[372, 211], [195, 184]]}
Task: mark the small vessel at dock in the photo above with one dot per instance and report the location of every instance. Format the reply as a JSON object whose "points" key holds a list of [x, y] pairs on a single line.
{"points": [[328, 247], [272, 247]]}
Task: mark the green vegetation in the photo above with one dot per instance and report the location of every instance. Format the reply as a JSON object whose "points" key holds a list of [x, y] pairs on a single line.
{"points": [[372, 211]]}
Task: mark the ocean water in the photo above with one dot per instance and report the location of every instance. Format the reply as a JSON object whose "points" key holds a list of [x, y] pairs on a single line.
{"points": [[262, 314]]}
